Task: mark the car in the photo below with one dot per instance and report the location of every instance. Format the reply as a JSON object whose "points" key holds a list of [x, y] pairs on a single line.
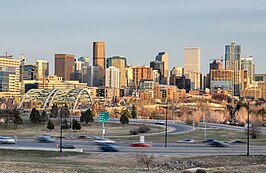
{"points": [[46, 138], [218, 144], [140, 144], [186, 141], [7, 140], [159, 122], [88, 138], [208, 140], [237, 141], [68, 146], [108, 148], [103, 141]]}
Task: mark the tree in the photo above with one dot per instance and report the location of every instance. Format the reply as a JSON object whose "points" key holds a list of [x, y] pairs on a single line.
{"points": [[87, 116], [134, 113], [65, 125], [35, 116], [16, 118], [44, 117], [124, 117], [54, 111], [50, 125], [76, 125], [145, 159]]}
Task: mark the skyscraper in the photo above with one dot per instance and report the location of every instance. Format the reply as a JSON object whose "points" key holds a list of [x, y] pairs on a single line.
{"points": [[9, 76], [64, 65], [42, 68], [248, 65], [163, 56], [119, 62], [112, 77], [99, 60], [192, 65], [233, 62]]}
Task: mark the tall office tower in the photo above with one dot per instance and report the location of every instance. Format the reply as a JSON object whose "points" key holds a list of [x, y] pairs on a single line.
{"points": [[192, 65], [129, 76], [42, 69], [112, 77], [233, 62], [141, 72], [176, 71], [163, 56], [248, 65], [159, 66], [81, 70], [119, 62], [29, 72], [9, 76], [99, 60], [64, 65]]}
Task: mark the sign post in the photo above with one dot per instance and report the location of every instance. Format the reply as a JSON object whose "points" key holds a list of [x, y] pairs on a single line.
{"points": [[103, 117]]}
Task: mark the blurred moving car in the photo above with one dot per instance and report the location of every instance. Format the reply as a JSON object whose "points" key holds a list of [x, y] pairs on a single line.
{"points": [[7, 140], [237, 141], [186, 141], [108, 148], [68, 146], [88, 138], [218, 144], [208, 140], [140, 144], [103, 141], [159, 122], [46, 138]]}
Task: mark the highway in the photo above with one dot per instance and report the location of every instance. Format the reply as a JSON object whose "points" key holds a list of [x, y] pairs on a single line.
{"points": [[172, 149]]}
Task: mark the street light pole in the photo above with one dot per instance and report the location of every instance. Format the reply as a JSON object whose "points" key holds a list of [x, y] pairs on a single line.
{"points": [[61, 130], [165, 136], [248, 133]]}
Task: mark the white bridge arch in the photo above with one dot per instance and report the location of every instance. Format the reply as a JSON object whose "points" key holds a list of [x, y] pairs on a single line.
{"points": [[74, 98]]}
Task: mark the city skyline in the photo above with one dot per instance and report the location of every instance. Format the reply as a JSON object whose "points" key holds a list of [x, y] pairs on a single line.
{"points": [[137, 30]]}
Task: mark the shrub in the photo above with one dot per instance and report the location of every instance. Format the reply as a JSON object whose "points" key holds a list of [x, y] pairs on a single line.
{"points": [[144, 129], [134, 131]]}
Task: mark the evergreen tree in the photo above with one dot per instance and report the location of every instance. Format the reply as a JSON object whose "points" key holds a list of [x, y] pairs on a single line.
{"points": [[44, 117], [134, 113], [76, 125], [50, 125], [54, 111], [65, 125], [124, 117], [87, 116], [35, 116], [15, 114]]}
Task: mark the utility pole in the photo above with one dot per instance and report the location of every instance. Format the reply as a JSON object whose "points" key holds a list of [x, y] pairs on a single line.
{"points": [[165, 136], [61, 130], [248, 133]]}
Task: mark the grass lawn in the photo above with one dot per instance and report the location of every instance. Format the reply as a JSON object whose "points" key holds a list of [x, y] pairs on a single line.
{"points": [[41, 161]]}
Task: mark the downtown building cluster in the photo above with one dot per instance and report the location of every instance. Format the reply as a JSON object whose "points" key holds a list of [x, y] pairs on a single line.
{"points": [[113, 77]]}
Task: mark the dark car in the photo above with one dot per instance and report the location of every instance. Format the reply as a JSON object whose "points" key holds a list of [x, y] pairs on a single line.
{"points": [[108, 148], [208, 141], [218, 144], [237, 141], [68, 146]]}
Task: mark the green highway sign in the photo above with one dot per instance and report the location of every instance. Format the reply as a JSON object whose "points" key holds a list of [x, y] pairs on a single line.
{"points": [[103, 116]]}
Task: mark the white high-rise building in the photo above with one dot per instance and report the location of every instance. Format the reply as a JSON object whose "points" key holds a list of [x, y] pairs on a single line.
{"points": [[112, 77], [192, 64], [248, 65], [42, 68]]}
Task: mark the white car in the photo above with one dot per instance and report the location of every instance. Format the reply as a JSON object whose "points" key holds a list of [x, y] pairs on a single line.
{"points": [[103, 141], [7, 140], [186, 141], [159, 122]]}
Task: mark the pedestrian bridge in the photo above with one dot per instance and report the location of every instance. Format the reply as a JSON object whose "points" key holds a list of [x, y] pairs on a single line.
{"points": [[76, 99]]}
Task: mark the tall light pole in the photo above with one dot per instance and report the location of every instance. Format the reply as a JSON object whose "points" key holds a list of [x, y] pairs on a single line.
{"points": [[61, 130], [248, 133], [165, 136]]}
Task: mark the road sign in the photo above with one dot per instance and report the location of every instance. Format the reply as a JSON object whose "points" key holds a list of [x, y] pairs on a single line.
{"points": [[103, 116]]}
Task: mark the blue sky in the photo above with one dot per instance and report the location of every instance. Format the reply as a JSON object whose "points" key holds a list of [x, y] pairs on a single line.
{"points": [[136, 29]]}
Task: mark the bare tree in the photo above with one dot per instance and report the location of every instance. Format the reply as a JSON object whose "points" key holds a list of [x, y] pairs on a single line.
{"points": [[145, 159]]}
